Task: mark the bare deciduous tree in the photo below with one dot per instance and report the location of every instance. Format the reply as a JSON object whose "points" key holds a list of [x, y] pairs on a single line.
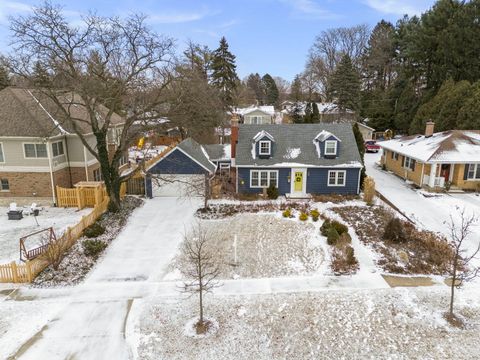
{"points": [[54, 250], [460, 267], [104, 66], [201, 268]]}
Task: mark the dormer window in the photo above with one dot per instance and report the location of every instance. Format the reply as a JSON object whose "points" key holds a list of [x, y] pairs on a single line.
{"points": [[265, 147], [330, 147]]}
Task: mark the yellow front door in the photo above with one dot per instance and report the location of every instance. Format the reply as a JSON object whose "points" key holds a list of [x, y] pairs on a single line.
{"points": [[298, 185]]}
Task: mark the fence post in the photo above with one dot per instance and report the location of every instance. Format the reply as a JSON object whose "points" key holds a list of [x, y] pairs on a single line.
{"points": [[79, 200], [13, 266], [29, 271]]}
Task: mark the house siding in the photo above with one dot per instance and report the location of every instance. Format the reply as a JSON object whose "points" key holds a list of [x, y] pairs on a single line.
{"points": [[266, 118], [177, 163], [396, 167], [317, 181]]}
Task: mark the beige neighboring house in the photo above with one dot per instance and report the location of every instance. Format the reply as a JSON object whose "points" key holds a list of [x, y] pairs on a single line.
{"points": [[436, 159], [39, 151], [367, 131], [256, 115]]}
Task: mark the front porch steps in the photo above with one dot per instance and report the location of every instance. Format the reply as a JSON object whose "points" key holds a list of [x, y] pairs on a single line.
{"points": [[289, 196]]}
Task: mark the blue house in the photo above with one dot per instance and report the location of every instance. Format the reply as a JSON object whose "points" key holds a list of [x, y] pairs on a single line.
{"points": [[299, 159]]}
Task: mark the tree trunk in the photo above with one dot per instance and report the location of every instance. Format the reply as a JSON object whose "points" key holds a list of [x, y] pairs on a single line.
{"points": [[206, 196], [452, 286], [200, 288]]}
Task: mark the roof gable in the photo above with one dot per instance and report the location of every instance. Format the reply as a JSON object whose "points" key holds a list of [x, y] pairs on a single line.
{"points": [[261, 135], [326, 135]]}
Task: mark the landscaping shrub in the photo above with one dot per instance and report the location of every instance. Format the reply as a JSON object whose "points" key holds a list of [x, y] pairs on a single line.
{"points": [[350, 255], [332, 236], [303, 216], [345, 238], [341, 228], [94, 230], [325, 227], [368, 190], [93, 247], [272, 192], [314, 214], [394, 231], [287, 213]]}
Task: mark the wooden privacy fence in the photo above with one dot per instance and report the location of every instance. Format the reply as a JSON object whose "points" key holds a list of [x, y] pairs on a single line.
{"points": [[85, 195], [23, 273]]}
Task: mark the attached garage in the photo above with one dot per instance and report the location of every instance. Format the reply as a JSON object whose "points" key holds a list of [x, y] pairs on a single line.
{"points": [[179, 172]]}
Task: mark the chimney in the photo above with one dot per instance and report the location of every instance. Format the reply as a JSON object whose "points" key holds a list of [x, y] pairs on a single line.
{"points": [[234, 134], [429, 127]]}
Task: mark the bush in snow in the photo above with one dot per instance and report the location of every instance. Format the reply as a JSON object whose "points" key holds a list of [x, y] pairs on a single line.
{"points": [[94, 230], [394, 231], [332, 236], [314, 214], [341, 228], [303, 216], [345, 238], [368, 190], [272, 192], [287, 213], [325, 227], [93, 247], [350, 255]]}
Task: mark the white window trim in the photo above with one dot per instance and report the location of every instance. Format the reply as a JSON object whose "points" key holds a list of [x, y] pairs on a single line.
{"points": [[3, 154], [336, 178], [410, 161], [34, 143], [330, 142], [260, 147], [63, 147], [259, 186], [224, 166], [1, 186], [395, 155], [477, 168]]}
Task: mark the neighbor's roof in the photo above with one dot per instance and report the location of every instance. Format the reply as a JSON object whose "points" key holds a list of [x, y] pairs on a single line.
{"points": [[218, 152], [453, 146], [268, 109], [365, 126], [198, 153], [295, 145], [25, 112]]}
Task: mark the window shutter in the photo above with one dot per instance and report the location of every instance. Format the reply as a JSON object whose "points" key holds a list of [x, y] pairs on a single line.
{"points": [[465, 173]]}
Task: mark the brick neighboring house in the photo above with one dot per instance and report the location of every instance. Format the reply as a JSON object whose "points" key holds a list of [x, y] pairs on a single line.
{"points": [[436, 159], [38, 150]]}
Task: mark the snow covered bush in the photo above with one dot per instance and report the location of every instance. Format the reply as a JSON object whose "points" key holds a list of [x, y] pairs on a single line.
{"points": [[94, 230], [394, 231], [287, 213], [315, 214], [93, 247], [303, 216]]}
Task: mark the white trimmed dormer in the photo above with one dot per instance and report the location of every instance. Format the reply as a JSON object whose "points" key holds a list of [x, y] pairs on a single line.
{"points": [[262, 146], [326, 144]]}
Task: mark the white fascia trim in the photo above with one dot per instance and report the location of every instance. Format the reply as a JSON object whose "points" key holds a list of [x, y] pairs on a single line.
{"points": [[34, 169]]}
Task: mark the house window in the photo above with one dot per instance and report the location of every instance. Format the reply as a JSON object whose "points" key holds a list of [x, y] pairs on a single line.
{"points": [[265, 148], [2, 158], [394, 155], [256, 120], [35, 150], [330, 147], [224, 168], [4, 185], [263, 178], [97, 175], [473, 172], [409, 163], [336, 177], [57, 148]]}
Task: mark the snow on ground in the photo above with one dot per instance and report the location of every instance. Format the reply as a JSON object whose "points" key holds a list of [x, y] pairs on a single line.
{"points": [[267, 245], [134, 154], [13, 230], [391, 323], [430, 213]]}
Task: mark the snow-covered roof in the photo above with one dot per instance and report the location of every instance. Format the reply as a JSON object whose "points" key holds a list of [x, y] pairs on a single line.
{"points": [[453, 146], [324, 135], [261, 135], [267, 109], [365, 126], [218, 152]]}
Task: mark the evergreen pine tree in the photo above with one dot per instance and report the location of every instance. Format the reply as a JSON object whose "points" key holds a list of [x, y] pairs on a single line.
{"points": [[296, 113], [224, 75], [255, 85], [315, 113], [296, 89], [4, 77], [307, 118], [345, 85], [361, 149], [271, 90]]}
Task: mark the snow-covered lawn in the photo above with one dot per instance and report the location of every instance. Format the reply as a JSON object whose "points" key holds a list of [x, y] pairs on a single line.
{"points": [[267, 245], [12, 230], [430, 213], [392, 323]]}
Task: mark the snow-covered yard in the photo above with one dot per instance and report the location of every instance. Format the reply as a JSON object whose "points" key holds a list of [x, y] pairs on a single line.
{"points": [[391, 323], [266, 245], [13, 230]]}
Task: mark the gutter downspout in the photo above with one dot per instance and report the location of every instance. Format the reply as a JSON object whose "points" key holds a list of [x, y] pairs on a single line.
{"points": [[85, 162], [68, 161], [49, 155]]}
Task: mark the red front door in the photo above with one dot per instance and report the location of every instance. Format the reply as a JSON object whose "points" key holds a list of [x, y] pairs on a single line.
{"points": [[445, 171]]}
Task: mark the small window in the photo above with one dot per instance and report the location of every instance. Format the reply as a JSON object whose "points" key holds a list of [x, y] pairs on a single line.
{"points": [[97, 175], [254, 179], [330, 147], [265, 148], [409, 163], [2, 158], [473, 171], [35, 150], [4, 185], [57, 148], [336, 178], [394, 155]]}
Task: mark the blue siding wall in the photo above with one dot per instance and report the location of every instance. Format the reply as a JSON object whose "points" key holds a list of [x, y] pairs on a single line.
{"points": [[317, 182], [177, 163], [244, 180]]}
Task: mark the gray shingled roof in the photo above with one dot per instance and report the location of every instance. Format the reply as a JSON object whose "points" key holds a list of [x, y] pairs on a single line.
{"points": [[29, 113], [289, 138], [218, 151], [194, 150]]}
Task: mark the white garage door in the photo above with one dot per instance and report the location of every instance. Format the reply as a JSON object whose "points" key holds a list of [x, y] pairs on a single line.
{"points": [[178, 185]]}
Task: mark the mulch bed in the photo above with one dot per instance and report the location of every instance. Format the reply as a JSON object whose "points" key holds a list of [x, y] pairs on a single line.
{"points": [[76, 265], [423, 253]]}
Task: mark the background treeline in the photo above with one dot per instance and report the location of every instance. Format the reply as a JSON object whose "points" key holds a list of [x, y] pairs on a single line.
{"points": [[400, 75]]}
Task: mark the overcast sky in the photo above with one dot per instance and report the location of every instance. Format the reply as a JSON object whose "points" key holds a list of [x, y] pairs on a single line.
{"points": [[266, 35]]}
